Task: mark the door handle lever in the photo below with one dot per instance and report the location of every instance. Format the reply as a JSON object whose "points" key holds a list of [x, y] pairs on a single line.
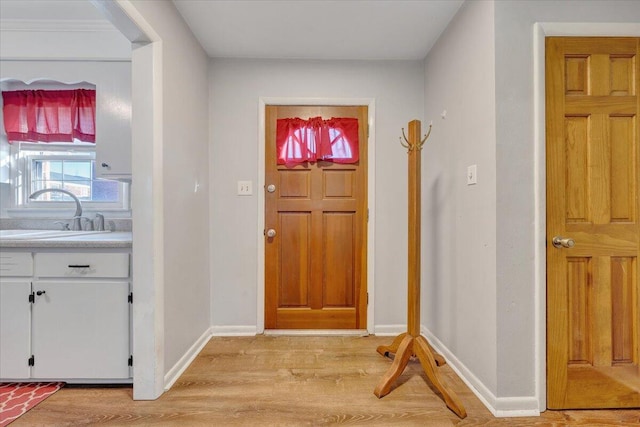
{"points": [[563, 242]]}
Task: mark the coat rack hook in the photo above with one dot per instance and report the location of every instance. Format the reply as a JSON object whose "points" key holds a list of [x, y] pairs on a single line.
{"points": [[408, 144], [425, 137]]}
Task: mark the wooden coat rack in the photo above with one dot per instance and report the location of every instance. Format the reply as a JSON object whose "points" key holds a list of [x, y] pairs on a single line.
{"points": [[411, 343]]}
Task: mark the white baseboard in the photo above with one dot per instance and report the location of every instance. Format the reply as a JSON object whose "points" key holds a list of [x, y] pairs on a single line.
{"points": [[234, 331], [519, 406], [522, 406], [174, 373], [389, 330]]}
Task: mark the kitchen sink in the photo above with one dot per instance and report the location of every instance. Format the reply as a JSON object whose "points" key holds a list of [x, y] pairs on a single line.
{"points": [[43, 234]]}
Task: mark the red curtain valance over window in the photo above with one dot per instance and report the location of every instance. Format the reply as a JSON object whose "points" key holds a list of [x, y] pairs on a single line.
{"points": [[50, 115], [299, 141]]}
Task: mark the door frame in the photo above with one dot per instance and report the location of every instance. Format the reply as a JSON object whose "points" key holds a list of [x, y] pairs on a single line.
{"points": [[147, 320], [542, 30], [370, 103]]}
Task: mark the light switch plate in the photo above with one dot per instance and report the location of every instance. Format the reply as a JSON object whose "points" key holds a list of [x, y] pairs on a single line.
{"points": [[245, 188], [472, 175]]}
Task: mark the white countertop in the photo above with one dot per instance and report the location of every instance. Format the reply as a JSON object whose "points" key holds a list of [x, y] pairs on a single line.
{"points": [[116, 239]]}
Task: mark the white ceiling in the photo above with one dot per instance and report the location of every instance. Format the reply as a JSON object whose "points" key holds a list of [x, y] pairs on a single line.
{"points": [[318, 29], [304, 29]]}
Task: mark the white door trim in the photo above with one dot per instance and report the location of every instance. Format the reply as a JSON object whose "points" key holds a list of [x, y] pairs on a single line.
{"points": [[371, 104], [541, 30]]}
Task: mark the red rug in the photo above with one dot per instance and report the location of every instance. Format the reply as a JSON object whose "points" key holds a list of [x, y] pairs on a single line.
{"points": [[18, 398]]}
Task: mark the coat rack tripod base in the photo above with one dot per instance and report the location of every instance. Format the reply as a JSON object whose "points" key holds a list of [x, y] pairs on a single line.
{"points": [[405, 347], [411, 343]]}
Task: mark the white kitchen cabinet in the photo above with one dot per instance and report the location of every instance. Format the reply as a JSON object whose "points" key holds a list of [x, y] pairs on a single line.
{"points": [[80, 329], [80, 316], [15, 327], [16, 269], [113, 122], [65, 316]]}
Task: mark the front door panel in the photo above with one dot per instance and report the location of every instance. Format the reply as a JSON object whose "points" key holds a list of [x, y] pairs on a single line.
{"points": [[315, 264]]}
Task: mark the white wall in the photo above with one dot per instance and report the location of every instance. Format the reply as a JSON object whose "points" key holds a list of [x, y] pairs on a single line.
{"points": [[516, 247], [459, 221], [482, 243], [236, 86], [185, 212]]}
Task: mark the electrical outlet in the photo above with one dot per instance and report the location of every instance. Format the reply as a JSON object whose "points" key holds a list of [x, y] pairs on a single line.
{"points": [[245, 188], [472, 175]]}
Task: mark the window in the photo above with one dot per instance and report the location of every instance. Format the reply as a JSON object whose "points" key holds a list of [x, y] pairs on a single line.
{"points": [[315, 139], [69, 167], [74, 175], [50, 141]]}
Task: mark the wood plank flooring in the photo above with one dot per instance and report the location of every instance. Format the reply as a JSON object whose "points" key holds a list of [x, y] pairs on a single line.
{"points": [[293, 381]]}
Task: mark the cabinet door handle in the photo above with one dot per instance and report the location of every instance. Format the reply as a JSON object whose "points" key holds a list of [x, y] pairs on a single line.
{"points": [[40, 292], [79, 265]]}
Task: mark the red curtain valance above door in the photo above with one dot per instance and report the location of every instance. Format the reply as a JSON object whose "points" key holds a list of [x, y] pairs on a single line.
{"points": [[334, 140], [50, 115]]}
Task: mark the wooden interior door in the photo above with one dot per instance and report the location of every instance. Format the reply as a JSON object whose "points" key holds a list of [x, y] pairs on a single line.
{"points": [[593, 154], [315, 265]]}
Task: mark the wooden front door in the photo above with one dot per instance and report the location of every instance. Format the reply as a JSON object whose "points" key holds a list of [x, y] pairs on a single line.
{"points": [[593, 286], [315, 265]]}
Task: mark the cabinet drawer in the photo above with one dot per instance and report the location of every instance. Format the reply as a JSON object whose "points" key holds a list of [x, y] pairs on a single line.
{"points": [[17, 264], [81, 265]]}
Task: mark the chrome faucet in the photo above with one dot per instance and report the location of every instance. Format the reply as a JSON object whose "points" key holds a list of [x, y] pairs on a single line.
{"points": [[78, 215], [98, 222]]}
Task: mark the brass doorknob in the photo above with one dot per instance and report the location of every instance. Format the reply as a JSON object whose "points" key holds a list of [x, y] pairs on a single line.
{"points": [[563, 242]]}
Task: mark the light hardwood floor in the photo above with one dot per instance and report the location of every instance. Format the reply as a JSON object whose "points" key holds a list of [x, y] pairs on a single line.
{"points": [[293, 381]]}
